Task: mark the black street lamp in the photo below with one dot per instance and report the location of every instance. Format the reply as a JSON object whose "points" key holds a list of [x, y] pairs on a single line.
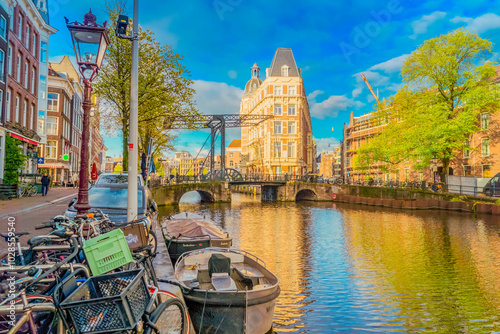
{"points": [[90, 41]]}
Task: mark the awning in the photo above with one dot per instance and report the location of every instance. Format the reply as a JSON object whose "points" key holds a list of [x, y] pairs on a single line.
{"points": [[23, 138], [52, 166]]}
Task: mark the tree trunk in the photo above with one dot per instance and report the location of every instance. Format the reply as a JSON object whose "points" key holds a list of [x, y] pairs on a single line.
{"points": [[125, 144], [446, 169]]}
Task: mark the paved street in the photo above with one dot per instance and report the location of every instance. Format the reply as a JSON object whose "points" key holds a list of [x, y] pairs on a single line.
{"points": [[31, 211]]}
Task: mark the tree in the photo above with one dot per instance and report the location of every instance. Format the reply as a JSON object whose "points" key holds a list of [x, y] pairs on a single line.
{"points": [[164, 87], [14, 160], [446, 87]]}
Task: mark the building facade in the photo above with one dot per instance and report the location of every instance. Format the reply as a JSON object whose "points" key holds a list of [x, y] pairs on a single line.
{"points": [[4, 48], [283, 144], [233, 154], [27, 57], [185, 161]]}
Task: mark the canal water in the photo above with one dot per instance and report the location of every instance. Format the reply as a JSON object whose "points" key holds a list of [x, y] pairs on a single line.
{"points": [[356, 269]]}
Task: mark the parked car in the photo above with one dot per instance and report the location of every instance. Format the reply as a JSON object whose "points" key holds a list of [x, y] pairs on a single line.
{"points": [[492, 188], [117, 178], [111, 199]]}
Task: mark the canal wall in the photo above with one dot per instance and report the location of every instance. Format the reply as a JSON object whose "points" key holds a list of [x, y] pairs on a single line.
{"points": [[414, 199], [247, 189]]}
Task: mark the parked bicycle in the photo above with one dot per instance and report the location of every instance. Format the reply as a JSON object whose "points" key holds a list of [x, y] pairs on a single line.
{"points": [[26, 189]]}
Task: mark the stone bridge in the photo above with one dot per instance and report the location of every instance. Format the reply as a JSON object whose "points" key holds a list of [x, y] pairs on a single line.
{"points": [[210, 192], [271, 191]]}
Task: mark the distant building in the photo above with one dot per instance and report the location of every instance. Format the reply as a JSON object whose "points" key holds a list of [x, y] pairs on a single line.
{"points": [[233, 154], [108, 165], [185, 160], [283, 144], [337, 162]]}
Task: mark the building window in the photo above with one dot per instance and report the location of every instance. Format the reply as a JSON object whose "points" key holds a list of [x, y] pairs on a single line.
{"points": [[486, 171], [485, 121], [17, 109], [26, 73], [291, 90], [27, 37], [41, 87], [7, 113], [32, 115], [467, 170], [43, 52], [284, 71], [277, 110], [9, 60], [1, 104], [41, 122], [3, 27], [25, 112], [277, 149], [291, 128], [33, 80], [2, 65], [485, 147], [20, 28], [34, 44], [277, 90], [291, 150], [466, 149], [231, 154], [18, 71], [51, 125], [292, 111], [51, 149], [420, 176], [407, 174], [277, 127], [52, 101]]}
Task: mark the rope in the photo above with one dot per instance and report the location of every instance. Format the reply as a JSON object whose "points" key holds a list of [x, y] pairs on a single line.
{"points": [[229, 306], [203, 311]]}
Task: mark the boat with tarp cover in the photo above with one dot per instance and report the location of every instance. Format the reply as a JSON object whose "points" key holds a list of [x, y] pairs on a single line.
{"points": [[227, 291], [187, 231]]}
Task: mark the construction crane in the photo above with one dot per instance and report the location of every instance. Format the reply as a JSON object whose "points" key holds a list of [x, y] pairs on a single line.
{"points": [[370, 87]]}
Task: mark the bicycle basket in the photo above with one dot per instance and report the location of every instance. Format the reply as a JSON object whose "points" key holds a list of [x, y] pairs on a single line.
{"points": [[111, 302], [106, 252]]}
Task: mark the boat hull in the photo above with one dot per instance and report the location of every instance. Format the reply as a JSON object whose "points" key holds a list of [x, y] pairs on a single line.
{"points": [[176, 247], [227, 312]]}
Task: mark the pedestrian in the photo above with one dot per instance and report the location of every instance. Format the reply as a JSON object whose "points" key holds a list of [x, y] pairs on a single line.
{"points": [[45, 184], [74, 179]]}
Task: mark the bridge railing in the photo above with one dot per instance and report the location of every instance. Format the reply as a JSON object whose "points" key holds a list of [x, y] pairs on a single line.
{"points": [[244, 178]]}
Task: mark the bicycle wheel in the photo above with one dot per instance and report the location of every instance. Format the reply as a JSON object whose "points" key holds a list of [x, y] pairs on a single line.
{"points": [[152, 241], [33, 191], [170, 318]]}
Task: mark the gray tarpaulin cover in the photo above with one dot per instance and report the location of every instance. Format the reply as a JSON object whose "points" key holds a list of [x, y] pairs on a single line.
{"points": [[192, 228]]}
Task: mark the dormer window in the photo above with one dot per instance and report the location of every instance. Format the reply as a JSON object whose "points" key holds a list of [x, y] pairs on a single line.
{"points": [[42, 5], [284, 71]]}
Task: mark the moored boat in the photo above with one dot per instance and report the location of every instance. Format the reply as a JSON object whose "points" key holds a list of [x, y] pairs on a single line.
{"points": [[227, 291], [188, 231]]}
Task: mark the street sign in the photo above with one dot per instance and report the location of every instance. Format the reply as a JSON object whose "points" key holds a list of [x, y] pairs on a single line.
{"points": [[32, 155], [69, 166], [66, 157], [40, 161]]}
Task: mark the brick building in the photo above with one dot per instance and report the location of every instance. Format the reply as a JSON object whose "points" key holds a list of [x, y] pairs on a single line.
{"points": [[27, 58], [4, 47], [233, 154], [283, 144]]}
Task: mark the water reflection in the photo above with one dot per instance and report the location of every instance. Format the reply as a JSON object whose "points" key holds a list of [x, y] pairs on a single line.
{"points": [[349, 268]]}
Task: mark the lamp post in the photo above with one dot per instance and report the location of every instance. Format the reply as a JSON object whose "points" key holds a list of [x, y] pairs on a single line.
{"points": [[90, 41]]}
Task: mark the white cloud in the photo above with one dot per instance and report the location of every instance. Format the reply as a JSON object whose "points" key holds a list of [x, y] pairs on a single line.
{"points": [[479, 24], [390, 66], [217, 97], [326, 144], [232, 74], [331, 106], [420, 26]]}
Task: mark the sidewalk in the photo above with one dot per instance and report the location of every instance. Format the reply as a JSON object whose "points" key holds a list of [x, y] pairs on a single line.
{"points": [[27, 212], [18, 204]]}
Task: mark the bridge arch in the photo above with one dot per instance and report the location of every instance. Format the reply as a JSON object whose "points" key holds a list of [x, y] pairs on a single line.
{"points": [[306, 195], [206, 196]]}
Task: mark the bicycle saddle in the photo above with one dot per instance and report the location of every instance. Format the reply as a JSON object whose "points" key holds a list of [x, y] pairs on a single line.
{"points": [[37, 241], [62, 233], [19, 234], [61, 219]]}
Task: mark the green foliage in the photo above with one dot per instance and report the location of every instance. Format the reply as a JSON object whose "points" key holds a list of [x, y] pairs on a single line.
{"points": [[164, 88], [497, 202], [445, 89], [159, 169], [14, 160]]}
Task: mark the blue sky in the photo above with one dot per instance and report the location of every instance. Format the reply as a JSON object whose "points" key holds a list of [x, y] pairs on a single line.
{"points": [[332, 41]]}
